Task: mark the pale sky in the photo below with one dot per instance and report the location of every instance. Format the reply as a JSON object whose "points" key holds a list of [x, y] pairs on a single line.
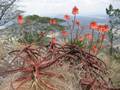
{"points": [[61, 7]]}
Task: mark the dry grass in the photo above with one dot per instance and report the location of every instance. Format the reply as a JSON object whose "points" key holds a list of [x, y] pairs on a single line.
{"points": [[114, 69], [69, 82]]}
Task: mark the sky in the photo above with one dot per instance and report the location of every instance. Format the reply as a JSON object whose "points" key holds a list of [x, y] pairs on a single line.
{"points": [[61, 7]]}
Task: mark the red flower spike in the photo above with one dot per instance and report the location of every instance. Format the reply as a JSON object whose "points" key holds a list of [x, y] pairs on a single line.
{"points": [[100, 28], [77, 22], [64, 33], [81, 39], [94, 48], [20, 20], [93, 25], [67, 17], [89, 36], [106, 28], [75, 10], [53, 21], [103, 28]]}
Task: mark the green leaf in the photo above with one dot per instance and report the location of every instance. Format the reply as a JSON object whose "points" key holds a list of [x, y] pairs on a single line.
{"points": [[80, 44]]}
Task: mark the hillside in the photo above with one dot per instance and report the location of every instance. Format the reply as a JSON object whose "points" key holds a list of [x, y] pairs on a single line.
{"points": [[42, 19]]}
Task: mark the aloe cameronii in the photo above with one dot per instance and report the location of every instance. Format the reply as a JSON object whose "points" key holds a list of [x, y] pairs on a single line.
{"points": [[82, 57], [34, 68]]}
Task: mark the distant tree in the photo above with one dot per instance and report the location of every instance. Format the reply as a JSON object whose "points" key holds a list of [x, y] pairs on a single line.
{"points": [[7, 11], [114, 21]]}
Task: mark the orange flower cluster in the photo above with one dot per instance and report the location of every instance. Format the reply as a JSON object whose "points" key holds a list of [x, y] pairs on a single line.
{"points": [[103, 28], [93, 25], [75, 10], [67, 17], [53, 21], [100, 28], [89, 36], [81, 38], [94, 49], [64, 33]]}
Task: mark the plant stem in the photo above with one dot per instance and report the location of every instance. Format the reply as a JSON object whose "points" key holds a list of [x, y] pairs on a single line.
{"points": [[72, 29], [100, 45], [77, 33], [98, 39], [91, 43]]}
